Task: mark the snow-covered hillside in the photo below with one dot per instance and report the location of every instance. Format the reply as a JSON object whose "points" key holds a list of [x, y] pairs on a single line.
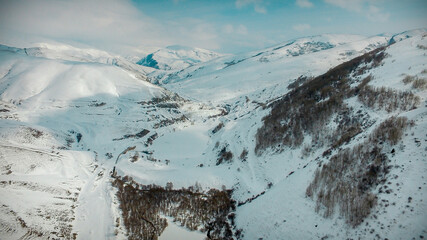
{"points": [[273, 68], [263, 124], [177, 57]]}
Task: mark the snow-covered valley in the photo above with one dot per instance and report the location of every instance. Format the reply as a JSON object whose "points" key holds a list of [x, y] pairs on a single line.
{"points": [[83, 130]]}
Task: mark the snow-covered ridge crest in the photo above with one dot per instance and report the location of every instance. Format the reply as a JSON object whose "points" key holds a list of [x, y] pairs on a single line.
{"points": [[177, 57], [65, 52], [66, 73], [231, 76]]}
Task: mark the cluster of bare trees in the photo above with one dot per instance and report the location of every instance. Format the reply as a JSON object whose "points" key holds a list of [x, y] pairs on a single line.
{"points": [[388, 99], [346, 181], [308, 108], [417, 82], [143, 205]]}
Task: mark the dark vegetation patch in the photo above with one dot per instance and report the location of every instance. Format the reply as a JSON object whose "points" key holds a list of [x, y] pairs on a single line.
{"points": [[225, 110], [217, 128], [417, 82], [317, 108], [347, 181], [300, 80], [164, 101], [79, 137], [211, 212], [138, 135], [233, 62], [249, 200], [170, 121], [387, 99], [244, 155], [97, 104], [224, 156], [151, 139], [35, 133], [308, 108], [422, 47], [135, 157]]}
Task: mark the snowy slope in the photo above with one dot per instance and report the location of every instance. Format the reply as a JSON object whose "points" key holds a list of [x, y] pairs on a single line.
{"points": [[284, 212], [58, 122], [177, 57], [66, 120], [231, 77]]}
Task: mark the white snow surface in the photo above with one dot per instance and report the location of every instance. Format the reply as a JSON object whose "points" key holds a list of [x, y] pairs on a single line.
{"points": [[177, 57], [55, 182]]}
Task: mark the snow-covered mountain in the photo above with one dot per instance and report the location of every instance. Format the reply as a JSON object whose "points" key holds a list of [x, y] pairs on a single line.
{"points": [[319, 137], [177, 57], [236, 75]]}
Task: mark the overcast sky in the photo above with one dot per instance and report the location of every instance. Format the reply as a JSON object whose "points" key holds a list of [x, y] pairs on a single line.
{"points": [[227, 26]]}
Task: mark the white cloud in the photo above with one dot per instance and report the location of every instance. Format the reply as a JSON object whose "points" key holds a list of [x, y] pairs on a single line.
{"points": [[228, 29], [376, 15], [301, 27], [258, 5], [260, 9], [108, 22], [240, 29], [304, 3], [364, 7], [351, 5], [112, 25]]}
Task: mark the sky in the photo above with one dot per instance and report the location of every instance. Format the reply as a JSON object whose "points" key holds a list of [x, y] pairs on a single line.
{"points": [[136, 27]]}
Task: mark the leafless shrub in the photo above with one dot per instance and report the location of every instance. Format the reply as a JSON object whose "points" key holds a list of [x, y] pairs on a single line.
{"points": [[151, 139], [138, 135], [388, 99], [419, 83], [365, 82], [97, 104], [224, 156], [390, 131], [408, 79], [244, 155], [135, 157], [35, 133], [422, 47], [300, 80], [306, 150], [346, 134], [167, 122], [69, 141], [218, 127]]}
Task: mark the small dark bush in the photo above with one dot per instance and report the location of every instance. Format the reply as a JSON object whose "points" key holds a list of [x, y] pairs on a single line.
{"points": [[244, 155], [218, 127], [224, 156], [35, 133]]}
